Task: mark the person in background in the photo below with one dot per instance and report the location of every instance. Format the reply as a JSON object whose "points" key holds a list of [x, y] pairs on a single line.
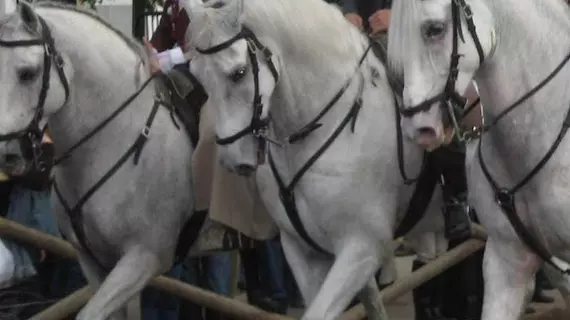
{"points": [[26, 200], [371, 16], [280, 285]]}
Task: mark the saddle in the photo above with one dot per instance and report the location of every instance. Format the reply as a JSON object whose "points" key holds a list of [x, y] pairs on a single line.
{"points": [[186, 96]]}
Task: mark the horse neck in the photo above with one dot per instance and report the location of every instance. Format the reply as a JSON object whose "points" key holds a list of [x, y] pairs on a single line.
{"points": [[103, 77], [308, 82], [531, 42]]}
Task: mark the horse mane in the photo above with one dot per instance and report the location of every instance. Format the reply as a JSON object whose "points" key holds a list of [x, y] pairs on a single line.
{"points": [[294, 24], [129, 41]]}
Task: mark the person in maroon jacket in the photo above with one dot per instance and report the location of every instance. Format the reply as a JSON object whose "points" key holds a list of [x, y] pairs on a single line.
{"points": [[172, 27]]}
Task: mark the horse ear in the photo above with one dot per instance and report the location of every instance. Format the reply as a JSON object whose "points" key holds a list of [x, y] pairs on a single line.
{"points": [[28, 15], [234, 12]]}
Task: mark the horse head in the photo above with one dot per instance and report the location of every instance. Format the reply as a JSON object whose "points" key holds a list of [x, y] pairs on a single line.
{"points": [[436, 47], [239, 74], [34, 85]]}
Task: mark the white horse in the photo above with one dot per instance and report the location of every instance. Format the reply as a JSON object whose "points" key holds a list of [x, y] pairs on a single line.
{"points": [[125, 191], [517, 51], [271, 67]]}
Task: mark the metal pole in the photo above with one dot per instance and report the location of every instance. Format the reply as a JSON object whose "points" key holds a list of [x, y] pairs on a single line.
{"points": [[138, 19]]}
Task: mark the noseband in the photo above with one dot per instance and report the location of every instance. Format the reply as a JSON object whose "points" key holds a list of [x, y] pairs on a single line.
{"points": [[30, 137], [258, 126], [450, 100]]}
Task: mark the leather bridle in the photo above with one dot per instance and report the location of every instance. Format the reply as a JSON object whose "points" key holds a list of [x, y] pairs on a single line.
{"points": [[450, 101], [258, 125], [31, 136]]}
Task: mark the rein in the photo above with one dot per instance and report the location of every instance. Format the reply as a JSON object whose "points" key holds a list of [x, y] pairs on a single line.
{"points": [[504, 196]]}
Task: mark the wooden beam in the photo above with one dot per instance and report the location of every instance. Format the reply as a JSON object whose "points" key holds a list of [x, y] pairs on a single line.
{"points": [[74, 302], [404, 285]]}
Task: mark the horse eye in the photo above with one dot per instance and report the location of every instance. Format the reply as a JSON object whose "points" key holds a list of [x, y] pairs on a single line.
{"points": [[26, 75], [237, 75], [433, 30]]}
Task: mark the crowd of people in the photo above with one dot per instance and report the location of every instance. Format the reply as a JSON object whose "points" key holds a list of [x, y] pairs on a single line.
{"points": [[36, 276]]}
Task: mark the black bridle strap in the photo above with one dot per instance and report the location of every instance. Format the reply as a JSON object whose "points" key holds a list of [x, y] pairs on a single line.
{"points": [[50, 54], [256, 122], [449, 93], [529, 94], [257, 126], [75, 213], [104, 123], [468, 14], [314, 124], [245, 34], [505, 196], [286, 191]]}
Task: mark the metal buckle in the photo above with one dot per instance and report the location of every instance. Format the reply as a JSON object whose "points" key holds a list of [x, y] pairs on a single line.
{"points": [[58, 60], [456, 126], [251, 45], [54, 55], [465, 8], [47, 49], [145, 132], [262, 134]]}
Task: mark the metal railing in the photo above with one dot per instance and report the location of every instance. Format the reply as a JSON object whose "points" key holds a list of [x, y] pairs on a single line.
{"points": [[150, 21]]}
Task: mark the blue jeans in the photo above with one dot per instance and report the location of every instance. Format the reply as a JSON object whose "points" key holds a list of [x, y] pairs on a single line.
{"points": [[210, 273], [282, 285], [219, 273], [158, 305], [274, 260], [31, 209]]}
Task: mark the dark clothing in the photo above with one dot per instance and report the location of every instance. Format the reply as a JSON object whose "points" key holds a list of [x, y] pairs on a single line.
{"points": [[365, 8], [172, 27], [5, 191]]}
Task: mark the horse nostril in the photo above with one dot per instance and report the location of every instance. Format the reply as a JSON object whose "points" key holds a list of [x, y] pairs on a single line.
{"points": [[11, 158], [426, 131], [245, 169]]}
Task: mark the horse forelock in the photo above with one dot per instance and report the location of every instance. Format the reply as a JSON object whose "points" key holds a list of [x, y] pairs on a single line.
{"points": [[404, 33]]}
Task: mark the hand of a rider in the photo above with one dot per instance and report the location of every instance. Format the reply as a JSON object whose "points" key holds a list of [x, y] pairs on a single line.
{"points": [[153, 56], [355, 19], [380, 21]]}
